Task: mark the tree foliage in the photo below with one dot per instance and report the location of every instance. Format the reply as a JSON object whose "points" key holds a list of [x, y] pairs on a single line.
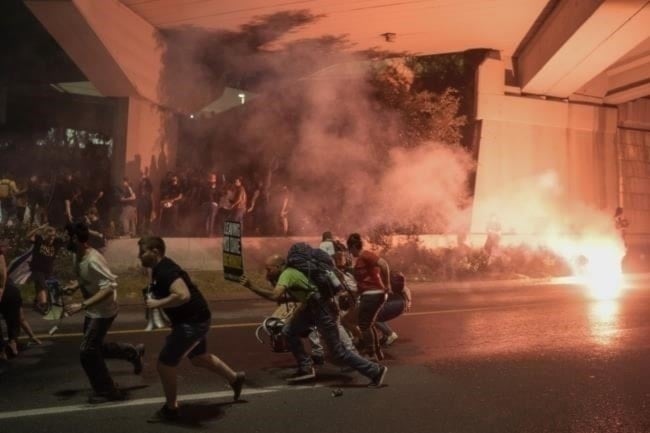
{"points": [[424, 115]]}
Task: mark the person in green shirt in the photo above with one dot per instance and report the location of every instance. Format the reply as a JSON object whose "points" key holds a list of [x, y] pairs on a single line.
{"points": [[314, 310]]}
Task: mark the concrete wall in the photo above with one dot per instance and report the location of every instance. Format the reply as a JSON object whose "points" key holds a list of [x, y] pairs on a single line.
{"points": [[527, 141], [150, 140], [634, 144], [207, 254]]}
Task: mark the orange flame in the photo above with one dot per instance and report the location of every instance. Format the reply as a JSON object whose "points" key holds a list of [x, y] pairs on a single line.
{"points": [[596, 263]]}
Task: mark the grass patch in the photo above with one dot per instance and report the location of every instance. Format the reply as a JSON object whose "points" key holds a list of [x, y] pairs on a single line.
{"points": [[211, 283], [130, 284]]}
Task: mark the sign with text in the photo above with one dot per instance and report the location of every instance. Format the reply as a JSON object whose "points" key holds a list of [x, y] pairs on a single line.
{"points": [[233, 264]]}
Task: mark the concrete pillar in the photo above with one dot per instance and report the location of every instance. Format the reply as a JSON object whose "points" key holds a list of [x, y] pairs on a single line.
{"points": [[151, 139], [531, 146], [634, 146], [118, 133]]}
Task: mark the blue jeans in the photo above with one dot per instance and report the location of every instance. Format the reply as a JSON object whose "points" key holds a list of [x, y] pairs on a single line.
{"points": [[321, 313], [369, 306], [393, 308]]}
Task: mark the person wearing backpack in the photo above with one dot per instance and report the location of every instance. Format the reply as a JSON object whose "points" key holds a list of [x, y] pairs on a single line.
{"points": [[372, 274], [315, 309]]}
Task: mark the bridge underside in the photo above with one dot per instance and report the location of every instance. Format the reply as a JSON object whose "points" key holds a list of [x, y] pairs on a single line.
{"points": [[566, 90]]}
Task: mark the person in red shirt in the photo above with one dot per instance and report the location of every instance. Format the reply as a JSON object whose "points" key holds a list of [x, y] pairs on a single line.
{"points": [[372, 275]]}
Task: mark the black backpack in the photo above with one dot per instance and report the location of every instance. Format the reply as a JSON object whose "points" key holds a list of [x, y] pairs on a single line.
{"points": [[317, 266], [397, 282]]}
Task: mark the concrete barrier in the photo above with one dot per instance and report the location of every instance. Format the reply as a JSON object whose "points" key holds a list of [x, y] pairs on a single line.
{"points": [[206, 253]]}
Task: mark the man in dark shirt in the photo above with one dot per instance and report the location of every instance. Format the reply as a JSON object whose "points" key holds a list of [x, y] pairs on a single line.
{"points": [[210, 202], [71, 193], [36, 201], [172, 290], [169, 202]]}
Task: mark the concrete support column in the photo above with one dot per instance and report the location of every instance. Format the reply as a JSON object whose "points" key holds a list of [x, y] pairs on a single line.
{"points": [[151, 139], [634, 148], [145, 137], [531, 147]]}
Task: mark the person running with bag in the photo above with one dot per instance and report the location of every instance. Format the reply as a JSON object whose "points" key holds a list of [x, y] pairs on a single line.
{"points": [[172, 290]]}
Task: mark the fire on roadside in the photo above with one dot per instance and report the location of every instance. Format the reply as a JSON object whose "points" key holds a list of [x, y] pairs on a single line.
{"points": [[596, 263]]}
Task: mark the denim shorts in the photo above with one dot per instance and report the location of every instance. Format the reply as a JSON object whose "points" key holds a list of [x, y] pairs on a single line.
{"points": [[186, 339]]}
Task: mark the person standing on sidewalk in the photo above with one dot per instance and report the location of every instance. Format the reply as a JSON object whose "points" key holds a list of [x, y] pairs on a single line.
{"points": [[173, 291], [98, 287]]}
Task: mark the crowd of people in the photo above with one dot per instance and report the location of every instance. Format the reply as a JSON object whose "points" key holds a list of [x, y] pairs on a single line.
{"points": [[350, 321], [188, 203], [350, 333]]}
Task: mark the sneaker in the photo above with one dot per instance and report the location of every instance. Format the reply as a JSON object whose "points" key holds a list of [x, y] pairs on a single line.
{"points": [[105, 397], [238, 384], [318, 359], [378, 380], [391, 339], [302, 375], [137, 362], [164, 414]]}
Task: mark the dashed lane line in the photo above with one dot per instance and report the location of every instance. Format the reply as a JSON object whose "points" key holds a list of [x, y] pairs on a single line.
{"points": [[255, 324], [142, 331]]}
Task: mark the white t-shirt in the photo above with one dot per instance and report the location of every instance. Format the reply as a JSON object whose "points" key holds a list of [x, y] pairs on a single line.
{"points": [[94, 274]]}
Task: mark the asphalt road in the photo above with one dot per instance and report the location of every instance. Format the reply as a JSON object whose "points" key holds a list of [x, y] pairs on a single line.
{"points": [[533, 358]]}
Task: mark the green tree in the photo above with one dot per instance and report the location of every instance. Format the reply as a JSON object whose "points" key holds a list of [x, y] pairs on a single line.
{"points": [[424, 115]]}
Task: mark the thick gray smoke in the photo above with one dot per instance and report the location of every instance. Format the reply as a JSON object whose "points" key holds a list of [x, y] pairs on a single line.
{"points": [[316, 127]]}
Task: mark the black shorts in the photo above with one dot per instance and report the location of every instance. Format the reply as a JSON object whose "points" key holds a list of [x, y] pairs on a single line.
{"points": [[186, 339]]}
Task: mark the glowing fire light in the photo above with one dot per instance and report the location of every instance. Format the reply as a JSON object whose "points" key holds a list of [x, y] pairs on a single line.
{"points": [[596, 263]]}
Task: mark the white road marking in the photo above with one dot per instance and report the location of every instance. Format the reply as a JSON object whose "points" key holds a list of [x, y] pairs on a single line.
{"points": [[255, 324], [142, 331], [469, 310], [147, 401]]}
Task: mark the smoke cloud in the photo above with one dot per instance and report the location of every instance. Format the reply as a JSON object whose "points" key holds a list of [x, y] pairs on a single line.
{"points": [[315, 126]]}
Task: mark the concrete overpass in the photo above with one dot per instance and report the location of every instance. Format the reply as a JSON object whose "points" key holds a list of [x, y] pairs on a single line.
{"points": [[566, 89]]}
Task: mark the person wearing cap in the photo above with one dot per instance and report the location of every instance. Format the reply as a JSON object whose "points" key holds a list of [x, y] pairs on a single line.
{"points": [[98, 287]]}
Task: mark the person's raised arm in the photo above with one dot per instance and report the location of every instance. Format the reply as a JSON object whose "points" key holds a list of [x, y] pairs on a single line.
{"points": [[272, 295], [32, 233]]}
